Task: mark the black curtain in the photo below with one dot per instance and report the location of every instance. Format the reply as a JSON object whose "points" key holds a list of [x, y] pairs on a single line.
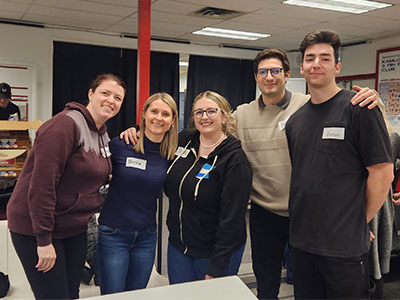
{"points": [[74, 68], [164, 74], [232, 78], [76, 65]]}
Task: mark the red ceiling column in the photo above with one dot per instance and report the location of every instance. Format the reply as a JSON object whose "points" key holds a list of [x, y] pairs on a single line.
{"points": [[143, 56]]}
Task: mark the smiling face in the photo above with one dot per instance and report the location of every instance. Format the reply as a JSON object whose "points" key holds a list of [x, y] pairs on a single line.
{"points": [[205, 124], [105, 101], [319, 67], [270, 86], [158, 120]]}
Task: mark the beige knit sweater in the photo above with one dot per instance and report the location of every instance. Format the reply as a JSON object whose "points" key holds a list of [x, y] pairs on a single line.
{"points": [[262, 133]]}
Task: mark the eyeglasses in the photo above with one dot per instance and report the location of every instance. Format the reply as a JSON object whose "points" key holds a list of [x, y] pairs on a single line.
{"points": [[210, 112], [263, 72]]}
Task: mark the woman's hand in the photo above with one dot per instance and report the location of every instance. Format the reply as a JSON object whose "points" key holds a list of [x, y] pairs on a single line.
{"points": [[47, 258], [208, 277], [130, 135]]}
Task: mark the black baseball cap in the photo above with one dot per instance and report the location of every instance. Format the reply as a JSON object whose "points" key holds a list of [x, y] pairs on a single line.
{"points": [[5, 90]]}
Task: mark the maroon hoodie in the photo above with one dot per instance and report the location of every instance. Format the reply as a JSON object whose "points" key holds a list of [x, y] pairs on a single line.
{"points": [[58, 189]]}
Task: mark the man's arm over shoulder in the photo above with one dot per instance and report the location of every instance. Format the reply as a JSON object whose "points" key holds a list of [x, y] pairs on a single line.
{"points": [[380, 177]]}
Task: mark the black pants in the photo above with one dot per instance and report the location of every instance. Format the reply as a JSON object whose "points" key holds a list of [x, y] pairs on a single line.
{"points": [[269, 234], [323, 277], [63, 280]]}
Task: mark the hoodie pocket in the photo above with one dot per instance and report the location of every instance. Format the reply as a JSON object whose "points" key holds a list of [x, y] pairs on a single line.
{"points": [[83, 203]]}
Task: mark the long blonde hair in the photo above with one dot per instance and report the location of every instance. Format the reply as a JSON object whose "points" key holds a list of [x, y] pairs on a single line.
{"points": [[229, 127], [170, 139]]}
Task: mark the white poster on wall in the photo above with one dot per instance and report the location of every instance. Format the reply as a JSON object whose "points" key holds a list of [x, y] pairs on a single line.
{"points": [[388, 83]]}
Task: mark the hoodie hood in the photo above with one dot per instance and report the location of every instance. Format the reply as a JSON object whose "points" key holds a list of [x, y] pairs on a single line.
{"points": [[86, 114]]}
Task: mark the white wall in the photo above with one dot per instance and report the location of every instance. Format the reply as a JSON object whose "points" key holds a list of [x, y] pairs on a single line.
{"points": [[356, 60], [33, 46]]}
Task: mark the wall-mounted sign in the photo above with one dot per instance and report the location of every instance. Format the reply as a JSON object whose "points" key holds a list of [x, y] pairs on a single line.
{"points": [[388, 83]]}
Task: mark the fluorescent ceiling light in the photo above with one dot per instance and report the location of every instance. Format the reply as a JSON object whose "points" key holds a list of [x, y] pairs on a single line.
{"points": [[232, 34], [350, 6]]}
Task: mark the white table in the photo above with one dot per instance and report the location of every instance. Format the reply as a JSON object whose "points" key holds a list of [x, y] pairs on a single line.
{"points": [[225, 288]]}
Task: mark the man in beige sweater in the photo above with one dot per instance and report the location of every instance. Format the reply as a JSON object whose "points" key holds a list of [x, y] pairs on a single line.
{"points": [[261, 129]]}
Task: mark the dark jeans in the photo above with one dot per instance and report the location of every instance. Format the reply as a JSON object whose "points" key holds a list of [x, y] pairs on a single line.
{"points": [[63, 280], [323, 277], [125, 258], [184, 268], [269, 234]]}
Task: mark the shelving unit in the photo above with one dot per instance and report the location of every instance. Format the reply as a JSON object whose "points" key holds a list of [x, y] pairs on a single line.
{"points": [[15, 145]]}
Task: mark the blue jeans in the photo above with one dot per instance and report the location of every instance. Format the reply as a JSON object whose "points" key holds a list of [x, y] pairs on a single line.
{"points": [[125, 258], [184, 268]]}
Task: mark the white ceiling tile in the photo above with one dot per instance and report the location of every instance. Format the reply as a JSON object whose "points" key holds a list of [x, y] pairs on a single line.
{"points": [[286, 11], [287, 24], [174, 7], [173, 27], [274, 20], [263, 28], [126, 3], [6, 5], [65, 21], [122, 28], [11, 15], [392, 12], [238, 5], [22, 1], [182, 20], [86, 6], [73, 14], [369, 24]]}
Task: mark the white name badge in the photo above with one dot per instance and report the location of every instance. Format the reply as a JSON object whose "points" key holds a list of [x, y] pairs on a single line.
{"points": [[105, 151], [282, 124], [333, 133], [132, 162], [182, 152]]}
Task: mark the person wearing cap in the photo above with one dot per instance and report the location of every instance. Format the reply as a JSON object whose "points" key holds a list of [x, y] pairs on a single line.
{"points": [[7, 108]]}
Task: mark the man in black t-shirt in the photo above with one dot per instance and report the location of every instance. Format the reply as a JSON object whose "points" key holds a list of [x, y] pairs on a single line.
{"points": [[341, 175], [7, 108]]}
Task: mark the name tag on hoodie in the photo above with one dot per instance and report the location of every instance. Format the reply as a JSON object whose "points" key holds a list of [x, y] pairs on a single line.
{"points": [[282, 124], [182, 152], [205, 169], [132, 162], [333, 133]]}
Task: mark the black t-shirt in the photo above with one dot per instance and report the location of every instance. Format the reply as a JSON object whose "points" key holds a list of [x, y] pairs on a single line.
{"points": [[9, 110], [330, 146]]}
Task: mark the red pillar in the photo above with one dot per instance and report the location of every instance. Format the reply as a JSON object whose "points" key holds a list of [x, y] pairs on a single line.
{"points": [[143, 56]]}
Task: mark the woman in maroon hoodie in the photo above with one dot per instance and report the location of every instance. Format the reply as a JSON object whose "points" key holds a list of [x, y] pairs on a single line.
{"points": [[58, 191]]}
